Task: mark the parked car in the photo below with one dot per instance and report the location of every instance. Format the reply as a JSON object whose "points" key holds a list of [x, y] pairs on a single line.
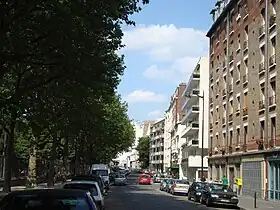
{"points": [[97, 179], [90, 186], [158, 178], [120, 179], [195, 191], [163, 184], [215, 193], [145, 179], [55, 199], [179, 186]]}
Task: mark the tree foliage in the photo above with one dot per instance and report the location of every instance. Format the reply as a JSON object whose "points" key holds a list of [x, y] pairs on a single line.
{"points": [[59, 71], [144, 151]]}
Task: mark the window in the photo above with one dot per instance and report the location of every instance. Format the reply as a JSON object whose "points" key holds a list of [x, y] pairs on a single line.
{"points": [[230, 137], [245, 134], [224, 139], [238, 71], [237, 136], [262, 129], [245, 99], [273, 128], [238, 102]]}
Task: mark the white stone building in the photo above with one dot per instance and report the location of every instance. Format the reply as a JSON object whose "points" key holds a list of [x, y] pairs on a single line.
{"points": [[195, 129]]}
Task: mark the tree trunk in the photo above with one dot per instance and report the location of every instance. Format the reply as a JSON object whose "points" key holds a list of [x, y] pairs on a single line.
{"points": [[32, 167], [65, 156], [8, 153], [77, 158], [51, 171]]}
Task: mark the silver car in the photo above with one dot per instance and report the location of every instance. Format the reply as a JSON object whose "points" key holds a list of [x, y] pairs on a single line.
{"points": [[120, 179], [90, 186], [179, 187]]}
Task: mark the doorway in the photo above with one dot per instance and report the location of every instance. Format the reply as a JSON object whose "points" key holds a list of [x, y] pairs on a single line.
{"points": [[231, 176]]}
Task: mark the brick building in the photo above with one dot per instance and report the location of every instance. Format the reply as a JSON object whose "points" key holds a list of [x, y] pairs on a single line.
{"points": [[243, 83]]}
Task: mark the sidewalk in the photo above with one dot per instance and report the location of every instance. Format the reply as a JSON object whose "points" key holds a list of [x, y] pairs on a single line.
{"points": [[247, 203]]}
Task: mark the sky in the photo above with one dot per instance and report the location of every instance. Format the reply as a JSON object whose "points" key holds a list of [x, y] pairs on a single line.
{"points": [[161, 51]]}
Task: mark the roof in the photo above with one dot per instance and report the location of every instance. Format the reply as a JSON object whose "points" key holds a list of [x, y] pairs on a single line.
{"points": [[158, 120], [51, 192], [222, 16], [81, 182]]}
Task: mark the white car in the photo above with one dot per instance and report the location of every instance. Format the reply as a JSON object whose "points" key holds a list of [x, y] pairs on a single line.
{"points": [[179, 186], [90, 186], [120, 179]]}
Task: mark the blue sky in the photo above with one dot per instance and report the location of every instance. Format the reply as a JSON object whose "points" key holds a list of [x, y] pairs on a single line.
{"points": [[161, 51]]}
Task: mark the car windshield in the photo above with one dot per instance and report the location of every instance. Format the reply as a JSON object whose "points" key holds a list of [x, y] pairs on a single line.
{"points": [[181, 181], [43, 203], [145, 176], [199, 185], [80, 186], [220, 188], [100, 172]]}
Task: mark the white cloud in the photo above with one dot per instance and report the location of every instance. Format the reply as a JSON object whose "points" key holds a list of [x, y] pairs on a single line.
{"points": [[173, 51], [142, 96], [155, 114]]}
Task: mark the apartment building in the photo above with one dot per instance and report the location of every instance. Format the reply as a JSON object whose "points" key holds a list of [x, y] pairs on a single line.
{"points": [[243, 83], [157, 146], [173, 116], [195, 120]]}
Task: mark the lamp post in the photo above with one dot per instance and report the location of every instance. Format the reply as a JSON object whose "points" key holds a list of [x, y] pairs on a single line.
{"points": [[202, 132]]}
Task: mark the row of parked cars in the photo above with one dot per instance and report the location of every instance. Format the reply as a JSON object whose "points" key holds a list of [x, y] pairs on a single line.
{"points": [[208, 193], [82, 192]]}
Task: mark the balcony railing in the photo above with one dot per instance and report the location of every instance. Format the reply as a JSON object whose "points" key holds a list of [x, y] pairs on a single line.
{"points": [[230, 117], [272, 100], [272, 60], [261, 30], [230, 88], [245, 45], [261, 105], [245, 111], [272, 20], [245, 78], [261, 67]]}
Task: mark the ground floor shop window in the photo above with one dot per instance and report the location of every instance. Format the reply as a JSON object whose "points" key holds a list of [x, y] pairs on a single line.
{"points": [[274, 180]]}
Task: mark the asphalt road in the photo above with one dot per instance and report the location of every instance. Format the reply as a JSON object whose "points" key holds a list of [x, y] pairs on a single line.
{"points": [[148, 197]]}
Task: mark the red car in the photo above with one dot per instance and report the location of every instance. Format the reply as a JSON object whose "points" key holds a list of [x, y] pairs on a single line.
{"points": [[145, 179]]}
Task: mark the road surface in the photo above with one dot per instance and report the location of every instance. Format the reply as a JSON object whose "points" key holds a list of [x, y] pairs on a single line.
{"points": [[148, 197]]}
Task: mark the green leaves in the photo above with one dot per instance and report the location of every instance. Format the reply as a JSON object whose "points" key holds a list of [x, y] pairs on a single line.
{"points": [[143, 151]]}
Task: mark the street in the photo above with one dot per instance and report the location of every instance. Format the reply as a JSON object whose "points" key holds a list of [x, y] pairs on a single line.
{"points": [[148, 197]]}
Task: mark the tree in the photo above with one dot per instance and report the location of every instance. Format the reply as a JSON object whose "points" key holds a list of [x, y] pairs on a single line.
{"points": [[48, 43], [143, 149]]}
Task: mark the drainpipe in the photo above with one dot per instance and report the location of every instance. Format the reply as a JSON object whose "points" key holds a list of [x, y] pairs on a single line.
{"points": [[266, 86], [227, 93]]}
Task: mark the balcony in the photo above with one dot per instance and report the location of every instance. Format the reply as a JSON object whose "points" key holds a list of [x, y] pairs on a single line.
{"points": [[261, 31], [193, 82], [192, 100], [195, 161], [261, 68], [272, 61], [261, 105], [245, 46], [272, 101], [272, 21], [245, 78], [190, 129], [245, 112], [192, 113], [193, 143]]}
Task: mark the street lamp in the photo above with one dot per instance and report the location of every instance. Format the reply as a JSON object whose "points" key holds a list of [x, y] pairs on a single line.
{"points": [[202, 132]]}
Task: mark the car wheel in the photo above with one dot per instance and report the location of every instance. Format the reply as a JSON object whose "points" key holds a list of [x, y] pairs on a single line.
{"points": [[208, 203], [201, 200]]}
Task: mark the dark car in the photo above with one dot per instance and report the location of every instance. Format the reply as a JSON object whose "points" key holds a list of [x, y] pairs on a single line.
{"points": [[215, 193], [45, 199], [97, 179], [195, 191]]}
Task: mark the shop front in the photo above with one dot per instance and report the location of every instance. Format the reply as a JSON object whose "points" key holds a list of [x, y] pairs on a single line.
{"points": [[273, 177]]}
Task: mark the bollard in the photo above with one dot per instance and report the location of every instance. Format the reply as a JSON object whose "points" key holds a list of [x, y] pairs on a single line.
{"points": [[255, 200]]}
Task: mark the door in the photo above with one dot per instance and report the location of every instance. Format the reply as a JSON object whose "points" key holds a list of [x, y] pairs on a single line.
{"points": [[231, 177]]}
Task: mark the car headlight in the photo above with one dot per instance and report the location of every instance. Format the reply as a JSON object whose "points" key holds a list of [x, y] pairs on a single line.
{"points": [[214, 196], [234, 198], [198, 193]]}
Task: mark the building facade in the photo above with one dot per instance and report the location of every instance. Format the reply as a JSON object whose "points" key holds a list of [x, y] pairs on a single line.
{"points": [[243, 85], [195, 120], [157, 146], [173, 118]]}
